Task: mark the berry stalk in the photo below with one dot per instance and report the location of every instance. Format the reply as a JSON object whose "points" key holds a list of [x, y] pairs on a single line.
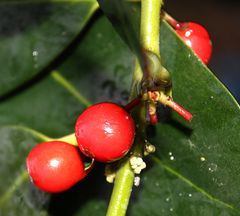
{"points": [[133, 103], [180, 110], [170, 20], [176, 107]]}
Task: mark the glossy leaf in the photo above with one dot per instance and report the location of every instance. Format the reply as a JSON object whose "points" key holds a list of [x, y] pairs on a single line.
{"points": [[204, 151], [48, 106], [34, 33], [195, 168]]}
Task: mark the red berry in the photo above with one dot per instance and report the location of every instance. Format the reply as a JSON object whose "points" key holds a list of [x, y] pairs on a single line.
{"points": [[55, 166], [105, 132], [196, 37]]}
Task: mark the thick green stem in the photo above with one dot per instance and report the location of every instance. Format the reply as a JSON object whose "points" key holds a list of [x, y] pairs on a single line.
{"points": [[149, 30], [122, 191]]}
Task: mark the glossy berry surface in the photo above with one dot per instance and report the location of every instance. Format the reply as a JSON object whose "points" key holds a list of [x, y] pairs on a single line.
{"points": [[196, 37], [105, 132], [55, 166]]}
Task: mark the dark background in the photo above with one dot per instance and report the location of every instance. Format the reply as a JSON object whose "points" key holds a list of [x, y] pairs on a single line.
{"points": [[222, 20]]}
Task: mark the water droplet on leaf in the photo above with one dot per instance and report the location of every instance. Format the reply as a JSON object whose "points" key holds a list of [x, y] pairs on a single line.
{"points": [[212, 167], [35, 53]]}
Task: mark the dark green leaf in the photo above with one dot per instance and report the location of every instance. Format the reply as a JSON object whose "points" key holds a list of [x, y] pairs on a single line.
{"points": [[163, 193], [33, 34], [204, 151], [125, 18], [51, 113], [18, 195]]}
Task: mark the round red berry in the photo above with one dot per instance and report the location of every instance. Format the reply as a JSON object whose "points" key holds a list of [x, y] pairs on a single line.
{"points": [[105, 132], [196, 37], [55, 166]]}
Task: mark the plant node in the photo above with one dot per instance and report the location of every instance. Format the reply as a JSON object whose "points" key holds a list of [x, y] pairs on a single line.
{"points": [[155, 76]]}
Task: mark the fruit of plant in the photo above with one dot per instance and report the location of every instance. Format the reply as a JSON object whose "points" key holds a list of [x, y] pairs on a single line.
{"points": [[196, 37], [105, 132], [55, 166]]}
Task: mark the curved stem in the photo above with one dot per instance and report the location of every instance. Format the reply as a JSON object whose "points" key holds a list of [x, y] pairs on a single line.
{"points": [[133, 103]]}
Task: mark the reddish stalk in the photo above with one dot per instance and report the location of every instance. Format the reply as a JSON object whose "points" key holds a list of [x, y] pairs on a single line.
{"points": [[135, 102], [180, 110], [153, 119], [152, 108], [167, 101], [156, 96], [171, 21]]}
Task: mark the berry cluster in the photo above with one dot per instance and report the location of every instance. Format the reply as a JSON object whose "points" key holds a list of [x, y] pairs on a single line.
{"points": [[105, 132]]}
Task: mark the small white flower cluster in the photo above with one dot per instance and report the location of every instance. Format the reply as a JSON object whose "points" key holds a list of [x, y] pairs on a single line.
{"points": [[137, 164], [149, 148]]}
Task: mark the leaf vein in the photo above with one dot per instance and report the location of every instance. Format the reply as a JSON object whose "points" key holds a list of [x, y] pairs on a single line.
{"points": [[31, 131], [70, 88], [190, 183]]}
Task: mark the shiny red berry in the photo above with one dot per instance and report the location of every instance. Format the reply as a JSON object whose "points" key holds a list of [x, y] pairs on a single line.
{"points": [[105, 132], [55, 166], [196, 37]]}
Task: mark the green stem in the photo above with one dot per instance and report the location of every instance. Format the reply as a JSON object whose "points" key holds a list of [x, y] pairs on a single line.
{"points": [[70, 138], [150, 18], [150, 28], [122, 191]]}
